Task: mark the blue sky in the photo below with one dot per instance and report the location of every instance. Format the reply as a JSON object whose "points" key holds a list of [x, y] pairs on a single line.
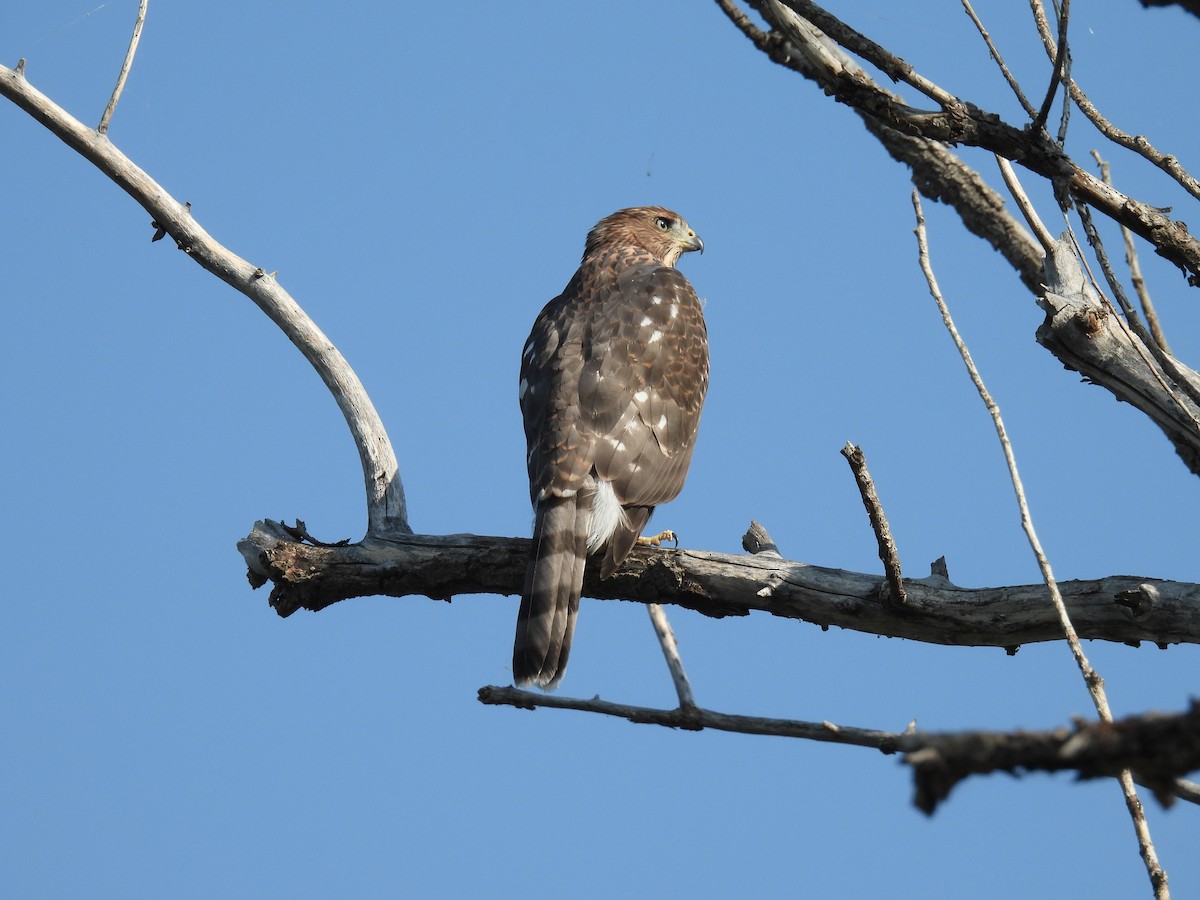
{"points": [[423, 183]]}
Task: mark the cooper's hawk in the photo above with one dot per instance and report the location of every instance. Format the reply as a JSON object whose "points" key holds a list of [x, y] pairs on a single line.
{"points": [[613, 377]]}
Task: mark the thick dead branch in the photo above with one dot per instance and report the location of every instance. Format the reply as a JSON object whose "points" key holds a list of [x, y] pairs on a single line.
{"points": [[954, 121], [937, 172], [1118, 608], [1159, 748], [1081, 330], [1192, 6]]}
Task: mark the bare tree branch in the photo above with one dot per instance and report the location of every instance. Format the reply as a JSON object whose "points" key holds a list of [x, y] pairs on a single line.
{"points": [[1137, 143], [386, 508], [958, 122], [1162, 747], [1080, 330], [1060, 56], [670, 649], [1093, 681], [1159, 747], [1119, 608], [1135, 269], [1192, 6], [888, 554], [102, 128], [995, 54], [937, 172]]}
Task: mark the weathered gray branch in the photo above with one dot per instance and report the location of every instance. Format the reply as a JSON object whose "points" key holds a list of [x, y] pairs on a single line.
{"points": [[1159, 747], [954, 121], [1088, 337], [126, 65], [937, 172], [386, 511], [1118, 608]]}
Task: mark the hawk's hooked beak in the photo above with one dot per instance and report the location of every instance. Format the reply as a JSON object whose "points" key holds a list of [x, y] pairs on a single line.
{"points": [[692, 242]]}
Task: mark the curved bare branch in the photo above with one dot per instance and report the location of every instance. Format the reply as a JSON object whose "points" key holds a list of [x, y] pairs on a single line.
{"points": [[386, 509]]}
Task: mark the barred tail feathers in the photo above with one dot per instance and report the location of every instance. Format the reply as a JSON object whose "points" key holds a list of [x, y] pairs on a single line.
{"points": [[550, 596]]}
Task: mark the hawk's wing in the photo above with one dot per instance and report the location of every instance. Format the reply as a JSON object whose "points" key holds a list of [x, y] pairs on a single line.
{"points": [[642, 385], [614, 376]]}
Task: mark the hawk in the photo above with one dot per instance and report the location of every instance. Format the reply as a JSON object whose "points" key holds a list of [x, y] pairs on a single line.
{"points": [[613, 377]]}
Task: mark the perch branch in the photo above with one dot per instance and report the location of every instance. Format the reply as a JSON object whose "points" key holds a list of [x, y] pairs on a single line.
{"points": [[1119, 608], [125, 67], [386, 511], [1092, 679]]}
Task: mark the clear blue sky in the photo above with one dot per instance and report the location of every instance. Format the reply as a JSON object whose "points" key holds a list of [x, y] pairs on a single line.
{"points": [[422, 178]]}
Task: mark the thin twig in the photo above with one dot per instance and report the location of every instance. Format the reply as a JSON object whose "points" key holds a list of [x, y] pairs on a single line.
{"points": [[1135, 268], [888, 554], [1045, 238], [670, 649], [125, 67], [742, 22], [995, 53], [1137, 143], [1060, 62], [1092, 679]]}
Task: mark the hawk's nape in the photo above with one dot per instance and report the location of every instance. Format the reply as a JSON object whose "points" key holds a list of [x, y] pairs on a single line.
{"points": [[613, 379]]}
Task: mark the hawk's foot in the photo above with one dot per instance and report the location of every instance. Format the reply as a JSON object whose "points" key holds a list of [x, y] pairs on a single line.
{"points": [[657, 539]]}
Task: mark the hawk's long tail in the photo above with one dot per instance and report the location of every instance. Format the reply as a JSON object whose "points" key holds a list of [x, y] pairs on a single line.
{"points": [[550, 597]]}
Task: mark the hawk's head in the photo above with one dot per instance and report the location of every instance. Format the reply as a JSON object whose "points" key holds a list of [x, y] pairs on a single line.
{"points": [[659, 231]]}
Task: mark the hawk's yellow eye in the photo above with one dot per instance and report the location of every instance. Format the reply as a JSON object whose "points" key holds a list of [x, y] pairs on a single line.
{"points": [[663, 223]]}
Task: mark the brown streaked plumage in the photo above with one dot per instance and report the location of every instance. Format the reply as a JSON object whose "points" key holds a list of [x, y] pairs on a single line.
{"points": [[613, 378]]}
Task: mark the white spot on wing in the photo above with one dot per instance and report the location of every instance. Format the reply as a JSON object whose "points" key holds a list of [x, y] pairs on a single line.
{"points": [[641, 396], [646, 320], [656, 300], [662, 421], [656, 336], [674, 310], [524, 388]]}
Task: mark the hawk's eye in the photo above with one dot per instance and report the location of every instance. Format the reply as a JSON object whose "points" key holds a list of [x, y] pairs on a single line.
{"points": [[663, 223]]}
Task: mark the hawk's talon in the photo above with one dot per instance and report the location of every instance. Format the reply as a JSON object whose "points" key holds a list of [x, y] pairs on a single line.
{"points": [[657, 539]]}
